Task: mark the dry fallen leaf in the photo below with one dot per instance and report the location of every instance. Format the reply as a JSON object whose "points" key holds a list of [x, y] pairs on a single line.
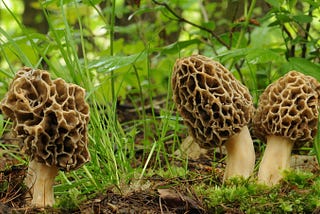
{"points": [[178, 200]]}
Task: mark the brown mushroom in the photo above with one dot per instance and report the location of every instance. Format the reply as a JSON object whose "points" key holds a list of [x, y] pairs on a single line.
{"points": [[216, 107], [287, 115], [50, 117]]}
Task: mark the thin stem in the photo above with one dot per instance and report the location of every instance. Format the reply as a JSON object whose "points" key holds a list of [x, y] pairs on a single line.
{"points": [[248, 16], [112, 24], [141, 99], [181, 19], [308, 27]]}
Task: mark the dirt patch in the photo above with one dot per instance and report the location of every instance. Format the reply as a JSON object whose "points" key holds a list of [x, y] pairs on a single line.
{"points": [[179, 198]]}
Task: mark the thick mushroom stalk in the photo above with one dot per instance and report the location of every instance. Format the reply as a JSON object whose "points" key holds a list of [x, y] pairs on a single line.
{"points": [[217, 108], [286, 117], [50, 117], [240, 155], [40, 179], [275, 160]]}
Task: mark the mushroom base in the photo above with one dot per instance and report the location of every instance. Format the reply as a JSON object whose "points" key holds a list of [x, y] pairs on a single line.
{"points": [[240, 155], [276, 158], [40, 180]]}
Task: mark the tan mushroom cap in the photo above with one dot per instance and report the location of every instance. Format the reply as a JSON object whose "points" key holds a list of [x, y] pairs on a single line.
{"points": [[213, 103], [51, 118], [289, 108]]}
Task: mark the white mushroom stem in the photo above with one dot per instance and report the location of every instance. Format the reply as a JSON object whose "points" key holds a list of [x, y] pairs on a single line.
{"points": [[40, 180], [276, 158], [240, 155]]}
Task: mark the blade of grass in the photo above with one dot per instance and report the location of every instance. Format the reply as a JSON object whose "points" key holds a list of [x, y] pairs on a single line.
{"points": [[112, 24]]}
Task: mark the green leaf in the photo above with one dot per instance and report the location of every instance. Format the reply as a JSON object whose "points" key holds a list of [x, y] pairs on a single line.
{"points": [[209, 25], [109, 63], [284, 17], [275, 3], [314, 3], [262, 55], [304, 66], [233, 54], [302, 18], [292, 4], [92, 2], [252, 55], [177, 46], [144, 10]]}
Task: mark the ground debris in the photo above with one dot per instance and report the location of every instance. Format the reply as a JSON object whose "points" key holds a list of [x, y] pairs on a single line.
{"points": [[134, 202], [12, 188], [175, 200], [180, 201]]}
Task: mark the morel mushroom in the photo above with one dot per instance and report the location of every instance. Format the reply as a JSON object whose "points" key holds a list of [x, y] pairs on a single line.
{"points": [[50, 117], [287, 116], [216, 107]]}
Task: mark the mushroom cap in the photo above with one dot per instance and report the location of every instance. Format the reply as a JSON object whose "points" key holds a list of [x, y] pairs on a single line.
{"points": [[212, 102], [289, 108], [51, 118]]}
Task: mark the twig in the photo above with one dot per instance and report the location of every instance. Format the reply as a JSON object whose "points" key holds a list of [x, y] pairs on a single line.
{"points": [[290, 51], [304, 45], [181, 19], [203, 11]]}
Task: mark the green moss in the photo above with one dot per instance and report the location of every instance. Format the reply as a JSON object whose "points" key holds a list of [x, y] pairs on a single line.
{"points": [[299, 193]]}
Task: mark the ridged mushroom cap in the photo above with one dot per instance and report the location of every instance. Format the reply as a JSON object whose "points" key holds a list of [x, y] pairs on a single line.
{"points": [[51, 118], [212, 102], [289, 107]]}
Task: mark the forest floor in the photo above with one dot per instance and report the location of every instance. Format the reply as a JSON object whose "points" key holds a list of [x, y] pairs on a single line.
{"points": [[153, 194]]}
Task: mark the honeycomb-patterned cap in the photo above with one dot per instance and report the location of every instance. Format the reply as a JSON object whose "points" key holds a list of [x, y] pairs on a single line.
{"points": [[51, 118], [289, 108], [212, 102]]}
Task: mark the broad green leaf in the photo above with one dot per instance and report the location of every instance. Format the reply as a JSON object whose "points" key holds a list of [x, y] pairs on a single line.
{"points": [[143, 10], [253, 55], [262, 55], [109, 63], [302, 18], [275, 3], [284, 17], [304, 66], [292, 4], [233, 54], [314, 3], [92, 2], [209, 25], [177, 46]]}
